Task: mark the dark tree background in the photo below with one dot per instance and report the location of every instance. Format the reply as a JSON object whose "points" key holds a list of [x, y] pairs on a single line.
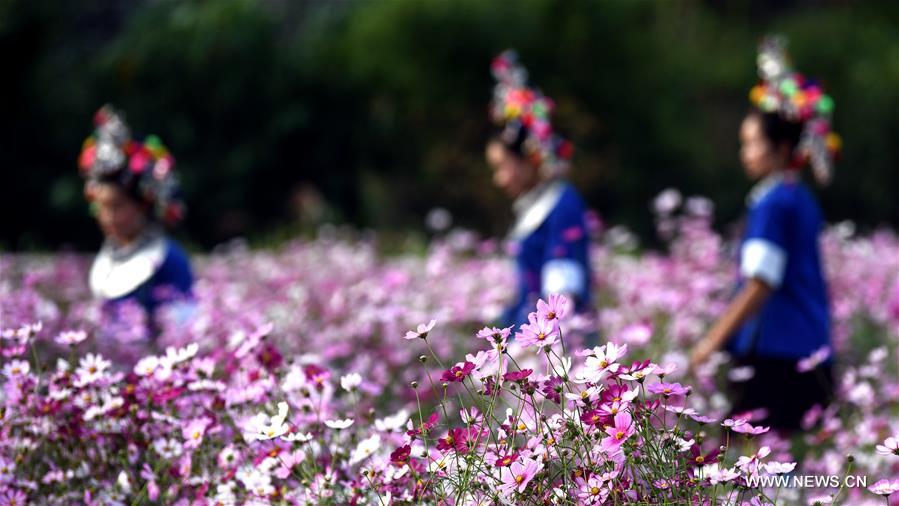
{"points": [[380, 106]]}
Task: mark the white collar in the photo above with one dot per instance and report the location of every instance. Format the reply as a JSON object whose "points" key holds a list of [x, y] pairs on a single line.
{"points": [[532, 208], [761, 189], [118, 271]]}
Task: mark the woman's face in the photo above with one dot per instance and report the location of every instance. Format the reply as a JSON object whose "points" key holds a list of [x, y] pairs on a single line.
{"points": [[759, 157], [121, 218], [511, 174]]}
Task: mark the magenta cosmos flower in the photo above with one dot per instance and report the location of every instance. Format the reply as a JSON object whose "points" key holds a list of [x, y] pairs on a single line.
{"points": [[457, 373], [517, 476]]}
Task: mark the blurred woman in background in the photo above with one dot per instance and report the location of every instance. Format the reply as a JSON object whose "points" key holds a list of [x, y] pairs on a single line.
{"points": [[780, 314], [529, 162], [133, 192]]}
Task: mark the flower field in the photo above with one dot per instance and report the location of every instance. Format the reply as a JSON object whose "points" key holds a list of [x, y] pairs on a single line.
{"points": [[325, 372]]}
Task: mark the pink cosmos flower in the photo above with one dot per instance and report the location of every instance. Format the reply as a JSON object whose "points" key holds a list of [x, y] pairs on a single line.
{"points": [[16, 368], [890, 446], [747, 428], [70, 337], [553, 310], [637, 371], [494, 335], [421, 331], [814, 360], [664, 370], [516, 477], [885, 487], [718, 475], [193, 432], [539, 332], [471, 416], [702, 419], [592, 490], [13, 497], [622, 428], [637, 334], [751, 463], [730, 423], [668, 389], [424, 428], [467, 439], [91, 368]]}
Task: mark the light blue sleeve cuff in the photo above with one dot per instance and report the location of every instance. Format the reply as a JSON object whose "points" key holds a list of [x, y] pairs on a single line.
{"points": [[563, 276], [764, 260]]}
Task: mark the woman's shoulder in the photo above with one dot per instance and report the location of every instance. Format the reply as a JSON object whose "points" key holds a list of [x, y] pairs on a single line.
{"points": [[791, 195], [570, 200]]}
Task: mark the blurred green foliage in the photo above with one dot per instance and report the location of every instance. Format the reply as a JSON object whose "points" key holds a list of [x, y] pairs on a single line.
{"points": [[380, 106]]}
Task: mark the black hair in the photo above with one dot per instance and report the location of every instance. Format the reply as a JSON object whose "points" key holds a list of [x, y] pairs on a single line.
{"points": [[129, 183], [512, 137], [779, 130]]}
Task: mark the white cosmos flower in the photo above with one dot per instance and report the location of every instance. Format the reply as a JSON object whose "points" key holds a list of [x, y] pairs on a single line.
{"points": [[350, 381], [365, 449], [339, 424], [146, 365], [264, 427]]}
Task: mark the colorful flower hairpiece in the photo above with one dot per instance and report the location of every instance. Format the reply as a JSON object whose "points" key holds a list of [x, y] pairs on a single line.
{"points": [[111, 155], [799, 99], [516, 105]]}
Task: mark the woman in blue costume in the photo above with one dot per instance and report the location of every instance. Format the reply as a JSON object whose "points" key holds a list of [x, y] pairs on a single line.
{"points": [[780, 314], [529, 162], [133, 192]]}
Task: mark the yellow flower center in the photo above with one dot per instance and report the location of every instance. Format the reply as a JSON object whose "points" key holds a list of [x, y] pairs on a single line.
{"points": [[700, 459], [519, 479], [619, 435], [594, 490]]}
